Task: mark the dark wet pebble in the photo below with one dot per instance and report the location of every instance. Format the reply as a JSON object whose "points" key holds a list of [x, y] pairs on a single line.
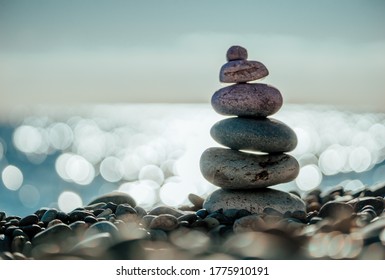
{"points": [[49, 215], [189, 218], [141, 211], [336, 210], [202, 213], [211, 222], [19, 232], [146, 220], [111, 205], [90, 219], [116, 198], [62, 216], [95, 206], [300, 215], [313, 206], [272, 212], [164, 222], [9, 230], [18, 243], [376, 202], [12, 222], [105, 213], [221, 231], [79, 227], [59, 234], [54, 222], [78, 215], [29, 220], [31, 230], [5, 243], [40, 212], [101, 227], [166, 210], [126, 213], [222, 218], [2, 215]]}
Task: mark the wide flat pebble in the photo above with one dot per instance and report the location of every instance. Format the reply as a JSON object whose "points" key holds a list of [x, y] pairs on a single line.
{"points": [[255, 202], [261, 135], [115, 197], [240, 71], [252, 100], [230, 169]]}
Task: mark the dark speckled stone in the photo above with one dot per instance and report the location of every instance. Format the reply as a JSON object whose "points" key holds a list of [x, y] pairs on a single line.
{"points": [[254, 202], [263, 135], [230, 169], [254, 100], [240, 71], [235, 53]]}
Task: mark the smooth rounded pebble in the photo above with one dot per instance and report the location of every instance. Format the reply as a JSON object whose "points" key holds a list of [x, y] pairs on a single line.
{"points": [[164, 222], [230, 169], [360, 202], [115, 197], [261, 135], [250, 100], [240, 71], [254, 202], [336, 210], [236, 53]]}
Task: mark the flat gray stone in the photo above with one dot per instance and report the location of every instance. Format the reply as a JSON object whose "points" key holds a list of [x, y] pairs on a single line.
{"points": [[236, 53], [253, 201], [248, 100], [231, 169], [261, 135], [240, 71], [115, 197]]}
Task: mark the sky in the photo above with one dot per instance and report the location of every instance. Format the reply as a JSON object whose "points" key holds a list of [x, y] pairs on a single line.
{"points": [[99, 51]]}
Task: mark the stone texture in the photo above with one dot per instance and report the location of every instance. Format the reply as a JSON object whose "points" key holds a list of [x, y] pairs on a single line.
{"points": [[360, 202], [249, 100], [240, 71], [115, 197], [232, 169], [236, 53], [336, 210], [254, 202], [262, 135]]}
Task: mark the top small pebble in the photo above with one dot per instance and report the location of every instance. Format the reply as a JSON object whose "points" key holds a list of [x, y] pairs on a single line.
{"points": [[236, 53]]}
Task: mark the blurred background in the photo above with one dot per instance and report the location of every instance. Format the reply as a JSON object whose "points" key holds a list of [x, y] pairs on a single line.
{"points": [[103, 95]]}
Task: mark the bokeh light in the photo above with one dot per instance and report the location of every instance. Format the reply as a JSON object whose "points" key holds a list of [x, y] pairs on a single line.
{"points": [[29, 196], [175, 193], [68, 201], [144, 192], [12, 177], [111, 169], [309, 177]]}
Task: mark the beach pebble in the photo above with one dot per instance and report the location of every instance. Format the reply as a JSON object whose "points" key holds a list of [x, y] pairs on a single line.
{"points": [[102, 227], [236, 53], [336, 210], [29, 220], [115, 197], [49, 215], [59, 234], [164, 222], [254, 202], [240, 71], [247, 100], [196, 200], [360, 202], [230, 169], [126, 213], [261, 135], [249, 223], [166, 210]]}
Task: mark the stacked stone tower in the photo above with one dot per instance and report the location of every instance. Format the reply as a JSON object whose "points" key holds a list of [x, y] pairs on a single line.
{"points": [[255, 157]]}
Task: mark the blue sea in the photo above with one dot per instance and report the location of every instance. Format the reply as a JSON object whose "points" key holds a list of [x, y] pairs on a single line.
{"points": [[64, 156]]}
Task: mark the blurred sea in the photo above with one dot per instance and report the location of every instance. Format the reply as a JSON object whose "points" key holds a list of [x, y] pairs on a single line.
{"points": [[62, 157]]}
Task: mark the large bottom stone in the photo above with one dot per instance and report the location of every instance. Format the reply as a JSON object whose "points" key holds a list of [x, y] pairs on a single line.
{"points": [[253, 201], [231, 169]]}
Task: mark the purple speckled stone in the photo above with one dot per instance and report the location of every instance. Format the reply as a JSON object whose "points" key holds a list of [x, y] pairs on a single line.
{"points": [[260, 135], [231, 169], [236, 53], [240, 71], [254, 100]]}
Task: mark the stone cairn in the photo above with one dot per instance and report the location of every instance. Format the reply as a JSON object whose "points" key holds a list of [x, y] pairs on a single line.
{"points": [[256, 158]]}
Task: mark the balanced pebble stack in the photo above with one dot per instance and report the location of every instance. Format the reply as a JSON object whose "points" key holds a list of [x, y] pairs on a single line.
{"points": [[255, 157]]}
